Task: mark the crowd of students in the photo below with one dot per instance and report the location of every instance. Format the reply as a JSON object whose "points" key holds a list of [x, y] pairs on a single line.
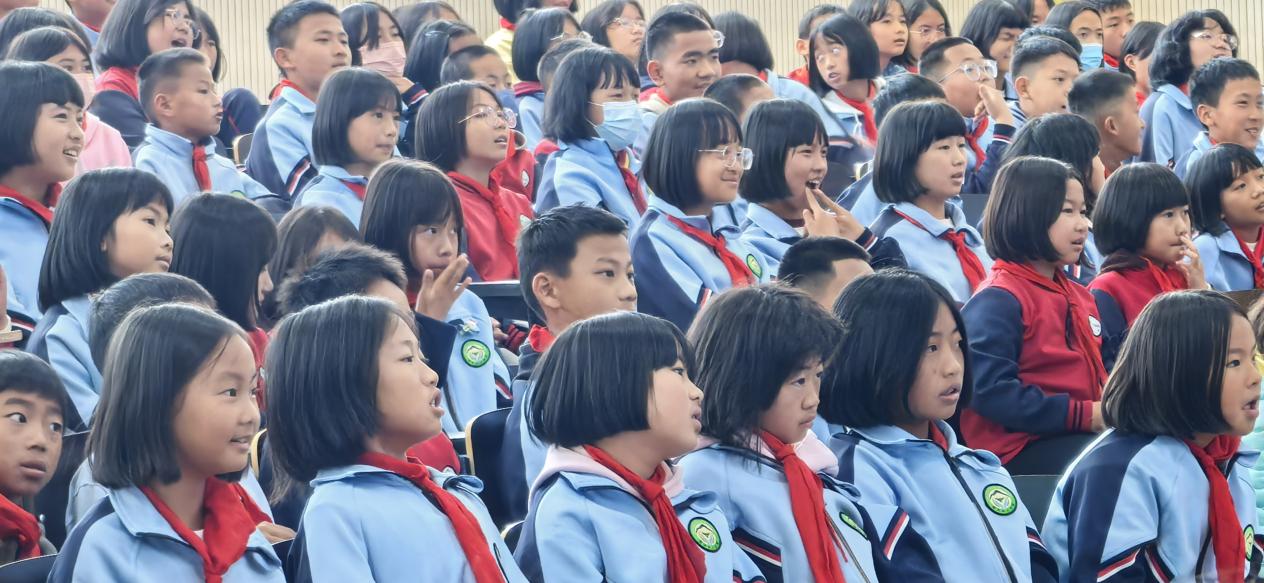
{"points": [[796, 326]]}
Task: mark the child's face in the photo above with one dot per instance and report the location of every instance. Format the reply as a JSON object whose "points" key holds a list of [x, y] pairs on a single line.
{"points": [[139, 242], [1087, 28], [1240, 389], [217, 416], [192, 108], [1002, 49], [832, 61], [891, 32], [1048, 86], [601, 281], [960, 91], [688, 66], [845, 272], [319, 48], [1243, 202], [1070, 229], [1168, 236], [794, 410], [71, 60], [675, 412], [941, 169], [491, 70], [486, 132], [1039, 12], [30, 437], [1208, 43], [1236, 118], [1117, 24], [263, 286], [372, 136], [173, 29], [57, 141], [923, 32], [1126, 126], [407, 394], [719, 173], [435, 246], [937, 388], [1141, 69], [602, 95], [805, 164], [627, 33]]}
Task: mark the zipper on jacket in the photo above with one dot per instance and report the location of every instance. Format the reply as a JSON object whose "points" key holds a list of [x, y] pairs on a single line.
{"points": [[996, 543]]}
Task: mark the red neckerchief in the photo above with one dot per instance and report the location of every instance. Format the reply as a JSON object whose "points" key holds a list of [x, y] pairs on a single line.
{"points": [[972, 138], [913, 69], [505, 24], [800, 75], [504, 219], [44, 212], [469, 533], [259, 348], [971, 266], [523, 88], [937, 436], [201, 172], [356, 187], [1111, 61], [807, 506], [866, 114], [1254, 257], [121, 79], [763, 76], [229, 520], [685, 563], [739, 273], [95, 29], [540, 339], [276, 91], [650, 93], [1167, 278], [621, 160], [1080, 313], [1222, 519], [1141, 98], [19, 526]]}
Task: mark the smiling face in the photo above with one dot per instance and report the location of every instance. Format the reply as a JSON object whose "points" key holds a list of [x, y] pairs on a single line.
{"points": [[794, 410], [1236, 118], [408, 394], [718, 181], [805, 164], [1070, 229], [1164, 241], [687, 66], [30, 437], [1242, 204], [139, 242], [57, 142], [216, 416], [937, 388]]}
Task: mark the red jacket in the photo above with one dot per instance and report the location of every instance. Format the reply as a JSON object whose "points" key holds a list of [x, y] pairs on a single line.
{"points": [[493, 217], [517, 173]]}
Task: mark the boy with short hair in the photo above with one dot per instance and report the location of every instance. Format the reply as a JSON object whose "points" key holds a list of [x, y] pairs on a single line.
{"points": [[810, 20], [1108, 99], [1043, 70], [1227, 100], [684, 59], [823, 267], [185, 112], [477, 63], [739, 93], [29, 450], [1117, 21], [308, 43], [91, 15]]}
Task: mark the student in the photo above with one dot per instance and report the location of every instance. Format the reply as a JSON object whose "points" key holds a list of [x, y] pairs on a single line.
{"points": [[412, 17], [26, 19], [179, 95], [823, 267], [927, 23], [1226, 97], [608, 470], [307, 43], [916, 173], [841, 71], [1052, 32], [33, 404], [1034, 10], [376, 41], [739, 93], [683, 55], [887, 406], [1117, 21], [463, 129], [993, 26], [548, 67], [1107, 100], [479, 63], [693, 163], [618, 25], [424, 67], [139, 28], [1081, 19], [538, 31], [91, 15], [302, 235], [1137, 49], [1166, 494], [1043, 71], [40, 120], [242, 110], [802, 45], [1184, 46], [889, 27], [1226, 191]]}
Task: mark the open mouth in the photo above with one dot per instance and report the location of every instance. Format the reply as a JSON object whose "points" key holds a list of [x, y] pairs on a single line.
{"points": [[72, 153], [242, 441], [502, 141], [951, 392], [814, 184], [1252, 407], [179, 43], [958, 178]]}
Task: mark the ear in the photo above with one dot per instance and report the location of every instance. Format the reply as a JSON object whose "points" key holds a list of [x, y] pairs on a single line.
{"points": [[1021, 87], [801, 47], [1206, 115], [282, 58], [1131, 61], [1110, 125], [655, 70], [546, 293], [162, 104]]}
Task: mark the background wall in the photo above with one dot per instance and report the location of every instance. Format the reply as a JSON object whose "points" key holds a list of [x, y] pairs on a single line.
{"points": [[242, 24]]}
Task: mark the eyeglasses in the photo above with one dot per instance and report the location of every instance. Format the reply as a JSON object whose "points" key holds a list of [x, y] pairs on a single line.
{"points": [[174, 18], [731, 156], [628, 23], [974, 70], [493, 117], [927, 31], [1209, 36], [567, 36]]}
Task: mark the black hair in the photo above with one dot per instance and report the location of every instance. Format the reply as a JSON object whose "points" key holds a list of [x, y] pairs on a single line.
{"points": [[550, 243], [155, 353], [1209, 177], [935, 56], [805, 22], [1095, 93], [457, 66], [907, 132], [902, 89], [581, 73], [746, 353], [985, 21], [1027, 198], [913, 10], [1062, 34], [876, 364], [348, 270], [74, 262], [210, 34], [1061, 136], [601, 16], [402, 195], [24, 88], [228, 267], [1171, 63], [26, 373], [440, 138], [283, 26], [123, 41], [744, 41], [1170, 371], [1133, 196], [512, 10], [43, 43], [730, 90], [862, 51], [297, 236], [595, 386], [1028, 7], [1139, 41], [360, 20], [669, 166], [1208, 82], [162, 67], [429, 49], [345, 95], [773, 130], [411, 17], [662, 30], [549, 63], [137, 291], [26, 19], [1066, 11], [1105, 5], [686, 7], [1034, 51], [809, 262], [534, 36]]}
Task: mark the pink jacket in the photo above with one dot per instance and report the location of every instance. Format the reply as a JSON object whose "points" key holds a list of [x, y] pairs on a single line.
{"points": [[103, 147]]}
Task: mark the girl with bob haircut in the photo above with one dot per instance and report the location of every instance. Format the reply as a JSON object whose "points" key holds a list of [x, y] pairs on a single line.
{"points": [[302, 235], [994, 26], [413, 212], [170, 441], [618, 25], [683, 251], [428, 49], [771, 473], [135, 30], [842, 64], [888, 23], [887, 408], [918, 170], [1226, 192], [39, 123], [619, 406], [377, 41], [463, 130], [354, 131], [927, 23], [592, 115], [110, 224], [505, 37], [342, 412], [1035, 334], [538, 31], [1167, 492]]}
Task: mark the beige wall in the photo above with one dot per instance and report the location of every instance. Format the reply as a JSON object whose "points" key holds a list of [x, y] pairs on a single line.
{"points": [[242, 24]]}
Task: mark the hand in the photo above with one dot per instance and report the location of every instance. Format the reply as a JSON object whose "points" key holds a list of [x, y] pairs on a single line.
{"points": [[498, 335], [825, 218], [1191, 264], [275, 533], [993, 103], [439, 292], [1099, 423]]}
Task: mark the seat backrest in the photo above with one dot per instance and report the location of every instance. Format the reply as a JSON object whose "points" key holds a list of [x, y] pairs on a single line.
{"points": [[241, 148], [511, 534], [503, 299], [1036, 492], [973, 205], [484, 436], [28, 571]]}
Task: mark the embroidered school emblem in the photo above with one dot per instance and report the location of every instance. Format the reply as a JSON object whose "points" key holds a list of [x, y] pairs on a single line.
{"points": [[754, 265], [842, 516], [1249, 535], [1096, 325], [475, 353], [705, 534], [1000, 500], [523, 221], [526, 179]]}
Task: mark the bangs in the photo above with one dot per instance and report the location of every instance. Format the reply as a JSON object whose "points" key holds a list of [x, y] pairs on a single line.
{"points": [[616, 72], [376, 92], [715, 130], [1242, 161], [945, 122], [664, 345], [54, 86]]}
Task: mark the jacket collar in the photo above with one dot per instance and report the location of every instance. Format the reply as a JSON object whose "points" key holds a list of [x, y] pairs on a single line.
{"points": [[810, 449], [836, 105], [934, 226], [775, 226], [1177, 95], [140, 518], [176, 145], [300, 102], [1020, 116], [1227, 242], [890, 435], [445, 479], [666, 208], [583, 472], [341, 174]]}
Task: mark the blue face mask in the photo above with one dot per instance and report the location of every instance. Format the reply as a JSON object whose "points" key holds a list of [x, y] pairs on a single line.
{"points": [[622, 124], [1091, 57]]}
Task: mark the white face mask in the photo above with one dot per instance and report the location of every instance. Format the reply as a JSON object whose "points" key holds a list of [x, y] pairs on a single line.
{"points": [[621, 124], [88, 84]]}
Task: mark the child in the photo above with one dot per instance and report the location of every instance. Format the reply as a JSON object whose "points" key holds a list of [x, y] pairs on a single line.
{"points": [[823, 267], [683, 55], [1043, 71], [479, 63], [138, 29], [887, 396], [40, 120], [1227, 100], [1107, 100], [739, 93], [1035, 10], [615, 418], [424, 66], [376, 41], [33, 403], [1184, 46], [1167, 494], [694, 162], [1117, 21], [412, 17], [1137, 49], [916, 172], [927, 23], [843, 64], [308, 43], [537, 32], [242, 110], [91, 14], [618, 25], [355, 130], [179, 95], [889, 27], [993, 27], [746, 51], [1226, 192], [463, 129], [803, 45], [302, 235], [548, 67], [367, 494], [1081, 19]]}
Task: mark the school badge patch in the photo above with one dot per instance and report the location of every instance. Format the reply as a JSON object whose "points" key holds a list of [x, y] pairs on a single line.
{"points": [[475, 353], [754, 265], [705, 534], [1249, 535], [1096, 325], [842, 516], [1000, 500], [523, 221]]}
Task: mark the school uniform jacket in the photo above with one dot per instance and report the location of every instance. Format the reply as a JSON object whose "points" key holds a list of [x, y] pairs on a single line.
{"points": [[1173, 127], [522, 454], [1201, 145], [961, 500], [332, 188], [412, 103], [117, 103], [363, 523], [989, 134], [653, 104], [979, 176], [493, 253], [170, 158], [1224, 264], [1120, 296], [124, 538], [925, 251], [787, 88], [676, 274], [531, 114], [281, 153], [1134, 508], [61, 339], [850, 119], [586, 172], [772, 236], [587, 524], [476, 373], [25, 235]]}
